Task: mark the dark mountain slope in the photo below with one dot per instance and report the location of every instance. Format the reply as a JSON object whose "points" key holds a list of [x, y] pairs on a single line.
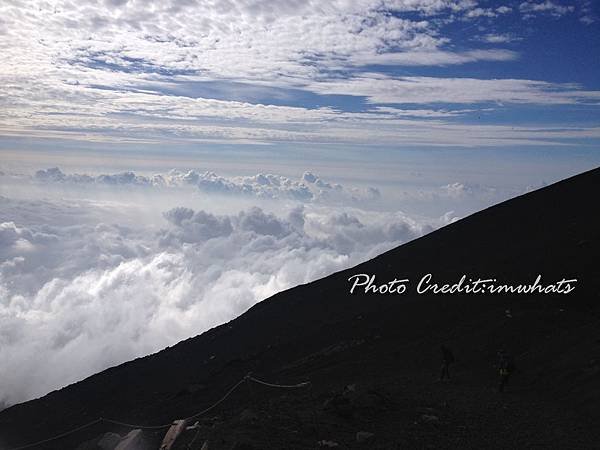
{"points": [[388, 346]]}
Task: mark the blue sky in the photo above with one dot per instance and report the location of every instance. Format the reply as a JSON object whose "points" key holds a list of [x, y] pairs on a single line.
{"points": [[310, 80]]}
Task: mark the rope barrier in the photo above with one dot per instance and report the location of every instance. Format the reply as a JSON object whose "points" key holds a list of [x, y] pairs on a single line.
{"points": [[160, 427], [66, 433], [282, 386], [142, 427], [219, 401]]}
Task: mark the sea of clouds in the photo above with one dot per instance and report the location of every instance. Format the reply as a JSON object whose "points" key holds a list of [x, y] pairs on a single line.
{"points": [[98, 269]]}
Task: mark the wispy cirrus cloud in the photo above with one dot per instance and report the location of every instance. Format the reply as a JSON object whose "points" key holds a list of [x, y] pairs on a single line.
{"points": [[531, 7], [434, 57], [140, 72], [132, 115], [380, 88], [502, 38], [586, 14]]}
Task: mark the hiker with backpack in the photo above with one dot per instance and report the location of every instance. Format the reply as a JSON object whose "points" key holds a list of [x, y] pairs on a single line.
{"points": [[447, 359], [506, 367]]}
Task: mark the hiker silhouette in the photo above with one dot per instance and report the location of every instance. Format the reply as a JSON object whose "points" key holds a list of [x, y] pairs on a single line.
{"points": [[447, 359], [506, 367]]}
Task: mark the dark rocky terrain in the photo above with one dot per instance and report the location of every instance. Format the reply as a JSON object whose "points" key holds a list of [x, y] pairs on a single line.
{"points": [[373, 360]]}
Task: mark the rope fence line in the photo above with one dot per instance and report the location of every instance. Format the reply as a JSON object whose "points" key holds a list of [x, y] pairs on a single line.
{"points": [[53, 438], [218, 402], [280, 386], [246, 378], [130, 425]]}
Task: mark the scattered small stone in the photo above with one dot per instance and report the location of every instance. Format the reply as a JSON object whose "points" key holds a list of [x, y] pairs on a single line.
{"points": [[248, 415], [428, 418], [364, 437], [328, 444]]}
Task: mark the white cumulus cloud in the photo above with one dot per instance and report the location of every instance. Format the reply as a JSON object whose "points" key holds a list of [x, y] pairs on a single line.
{"points": [[90, 278]]}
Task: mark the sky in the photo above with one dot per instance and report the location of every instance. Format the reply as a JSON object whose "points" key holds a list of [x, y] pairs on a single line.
{"points": [[315, 80], [166, 165]]}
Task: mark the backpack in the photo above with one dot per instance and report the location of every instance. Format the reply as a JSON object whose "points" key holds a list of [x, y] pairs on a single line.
{"points": [[448, 356]]}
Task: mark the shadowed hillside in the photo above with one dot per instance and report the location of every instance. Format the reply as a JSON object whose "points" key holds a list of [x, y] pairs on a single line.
{"points": [[373, 360]]}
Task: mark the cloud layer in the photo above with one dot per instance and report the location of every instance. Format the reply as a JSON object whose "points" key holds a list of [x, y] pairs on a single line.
{"points": [[88, 282], [309, 188]]}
